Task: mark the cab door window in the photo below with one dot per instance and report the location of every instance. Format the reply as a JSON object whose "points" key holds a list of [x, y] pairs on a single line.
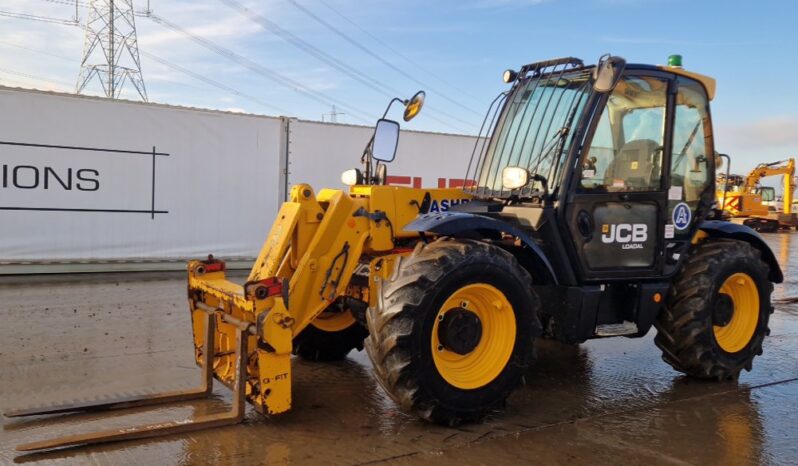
{"points": [[693, 151], [625, 154]]}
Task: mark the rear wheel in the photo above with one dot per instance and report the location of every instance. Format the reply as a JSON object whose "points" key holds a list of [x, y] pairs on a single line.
{"points": [[453, 330], [716, 317]]}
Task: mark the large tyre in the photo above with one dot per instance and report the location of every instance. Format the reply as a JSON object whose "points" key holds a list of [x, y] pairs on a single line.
{"points": [[330, 337], [717, 313], [453, 330]]}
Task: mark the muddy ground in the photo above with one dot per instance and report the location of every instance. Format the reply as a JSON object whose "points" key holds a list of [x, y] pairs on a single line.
{"points": [[612, 401]]}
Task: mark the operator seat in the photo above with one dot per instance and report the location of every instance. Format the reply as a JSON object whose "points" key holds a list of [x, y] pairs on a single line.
{"points": [[634, 166]]}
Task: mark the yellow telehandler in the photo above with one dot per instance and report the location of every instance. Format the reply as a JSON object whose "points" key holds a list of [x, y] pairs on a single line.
{"points": [[584, 215]]}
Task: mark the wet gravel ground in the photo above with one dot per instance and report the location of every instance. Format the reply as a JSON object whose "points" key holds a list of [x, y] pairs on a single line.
{"points": [[613, 401]]}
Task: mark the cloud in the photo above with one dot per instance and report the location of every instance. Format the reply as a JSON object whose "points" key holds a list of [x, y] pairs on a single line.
{"points": [[759, 141], [768, 132], [669, 41], [426, 28], [51, 52], [225, 27], [629, 2], [488, 4]]}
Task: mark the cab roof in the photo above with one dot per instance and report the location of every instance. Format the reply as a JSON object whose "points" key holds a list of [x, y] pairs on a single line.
{"points": [[574, 64], [708, 82]]}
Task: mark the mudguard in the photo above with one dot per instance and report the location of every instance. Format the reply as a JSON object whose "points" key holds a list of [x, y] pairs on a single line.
{"points": [[722, 229], [454, 223]]}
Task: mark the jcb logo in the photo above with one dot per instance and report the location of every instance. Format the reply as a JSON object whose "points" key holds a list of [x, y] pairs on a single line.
{"points": [[628, 234]]}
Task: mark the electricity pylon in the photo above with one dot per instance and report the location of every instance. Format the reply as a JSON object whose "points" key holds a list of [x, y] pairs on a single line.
{"points": [[110, 50]]}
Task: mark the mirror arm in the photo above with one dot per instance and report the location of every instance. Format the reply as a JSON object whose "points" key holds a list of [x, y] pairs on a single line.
{"points": [[365, 159], [395, 99]]}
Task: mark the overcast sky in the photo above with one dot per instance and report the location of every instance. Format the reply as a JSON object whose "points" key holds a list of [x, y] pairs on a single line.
{"points": [[370, 50]]}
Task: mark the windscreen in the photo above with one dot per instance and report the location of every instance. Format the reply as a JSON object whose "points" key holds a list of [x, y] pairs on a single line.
{"points": [[532, 130]]}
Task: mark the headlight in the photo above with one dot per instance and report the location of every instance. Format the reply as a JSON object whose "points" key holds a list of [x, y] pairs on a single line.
{"points": [[514, 177], [352, 177], [509, 76]]}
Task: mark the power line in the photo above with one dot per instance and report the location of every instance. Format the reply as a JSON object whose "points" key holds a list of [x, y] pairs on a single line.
{"points": [[173, 66], [33, 76], [242, 60], [212, 82], [74, 3], [377, 57], [9, 44], [43, 19], [67, 2], [263, 71], [314, 51], [398, 53]]}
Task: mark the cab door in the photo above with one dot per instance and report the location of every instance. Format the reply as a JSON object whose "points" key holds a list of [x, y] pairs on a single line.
{"points": [[617, 200]]}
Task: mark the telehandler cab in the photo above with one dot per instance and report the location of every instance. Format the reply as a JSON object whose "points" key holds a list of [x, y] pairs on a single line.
{"points": [[584, 215]]}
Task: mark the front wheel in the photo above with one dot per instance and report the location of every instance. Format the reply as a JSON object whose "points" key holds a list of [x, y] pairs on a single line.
{"points": [[453, 330], [330, 336], [717, 313]]}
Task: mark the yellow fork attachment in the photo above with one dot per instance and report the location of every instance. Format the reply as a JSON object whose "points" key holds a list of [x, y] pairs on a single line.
{"points": [[234, 416], [243, 335]]}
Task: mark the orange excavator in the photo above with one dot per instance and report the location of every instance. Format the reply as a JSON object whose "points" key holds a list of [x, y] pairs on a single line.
{"points": [[745, 201]]}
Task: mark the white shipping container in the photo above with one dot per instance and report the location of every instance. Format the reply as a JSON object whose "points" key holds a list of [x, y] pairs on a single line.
{"points": [[85, 179], [211, 185]]}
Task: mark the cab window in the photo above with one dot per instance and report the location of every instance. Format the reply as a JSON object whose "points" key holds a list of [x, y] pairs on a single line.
{"points": [[625, 153], [693, 150]]}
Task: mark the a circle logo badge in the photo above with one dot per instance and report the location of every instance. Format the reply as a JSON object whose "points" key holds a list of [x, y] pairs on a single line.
{"points": [[681, 216]]}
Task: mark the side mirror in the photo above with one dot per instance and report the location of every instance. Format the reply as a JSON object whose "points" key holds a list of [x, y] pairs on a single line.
{"points": [[386, 139], [413, 106], [607, 73]]}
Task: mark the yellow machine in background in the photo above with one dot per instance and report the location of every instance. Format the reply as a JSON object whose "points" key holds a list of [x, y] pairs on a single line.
{"points": [[744, 199]]}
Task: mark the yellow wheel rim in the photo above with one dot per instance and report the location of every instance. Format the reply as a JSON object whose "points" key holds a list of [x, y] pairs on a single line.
{"points": [[333, 321], [736, 335], [487, 360]]}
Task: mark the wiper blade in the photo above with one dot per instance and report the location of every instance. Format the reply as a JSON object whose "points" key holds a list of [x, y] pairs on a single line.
{"points": [[557, 138]]}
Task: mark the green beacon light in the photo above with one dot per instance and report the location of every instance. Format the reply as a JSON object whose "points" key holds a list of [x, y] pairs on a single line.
{"points": [[675, 61]]}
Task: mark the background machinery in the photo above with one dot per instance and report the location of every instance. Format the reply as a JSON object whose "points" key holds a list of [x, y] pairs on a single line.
{"points": [[585, 216], [745, 200]]}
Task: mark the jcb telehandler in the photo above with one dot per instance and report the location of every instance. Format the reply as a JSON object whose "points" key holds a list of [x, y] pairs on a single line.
{"points": [[584, 215]]}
